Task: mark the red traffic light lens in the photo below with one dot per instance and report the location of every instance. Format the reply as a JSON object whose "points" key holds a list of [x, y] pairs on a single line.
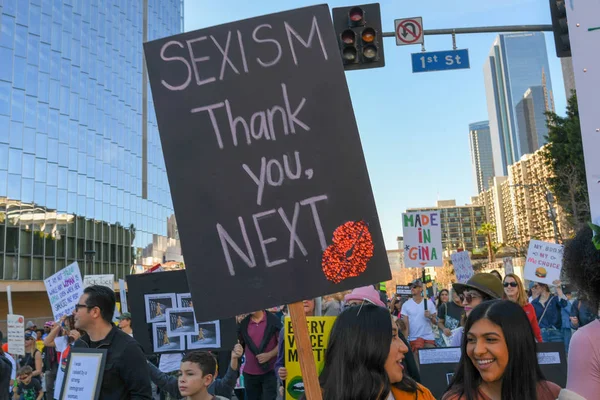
{"points": [[349, 54], [348, 36], [356, 14], [368, 35], [370, 52]]}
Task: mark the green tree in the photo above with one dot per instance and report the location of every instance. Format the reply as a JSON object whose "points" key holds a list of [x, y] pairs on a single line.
{"points": [[487, 229], [564, 155]]}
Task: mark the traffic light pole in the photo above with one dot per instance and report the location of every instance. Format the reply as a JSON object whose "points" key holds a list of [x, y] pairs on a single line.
{"points": [[482, 29]]}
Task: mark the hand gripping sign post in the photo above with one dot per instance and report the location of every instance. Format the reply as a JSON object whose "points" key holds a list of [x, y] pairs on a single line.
{"points": [[263, 155]]}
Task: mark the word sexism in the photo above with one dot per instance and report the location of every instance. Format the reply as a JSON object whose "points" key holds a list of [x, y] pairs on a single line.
{"points": [[263, 35]]}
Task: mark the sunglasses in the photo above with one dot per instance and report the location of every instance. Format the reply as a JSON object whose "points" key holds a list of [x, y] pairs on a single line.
{"points": [[511, 284], [78, 306], [469, 297]]}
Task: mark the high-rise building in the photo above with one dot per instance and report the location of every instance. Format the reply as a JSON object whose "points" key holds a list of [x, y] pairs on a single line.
{"points": [[482, 158], [459, 225], [531, 119], [516, 62], [82, 176], [519, 205]]}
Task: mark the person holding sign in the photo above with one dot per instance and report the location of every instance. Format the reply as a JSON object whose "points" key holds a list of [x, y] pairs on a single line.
{"points": [[126, 373], [499, 359], [548, 309], [418, 314], [364, 358], [515, 292], [197, 373]]}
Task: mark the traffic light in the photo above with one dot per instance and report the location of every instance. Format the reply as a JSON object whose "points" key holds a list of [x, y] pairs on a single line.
{"points": [[359, 35], [558, 11]]}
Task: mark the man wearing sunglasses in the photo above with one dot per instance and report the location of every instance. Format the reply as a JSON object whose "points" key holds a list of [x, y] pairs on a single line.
{"points": [[419, 314], [126, 374], [481, 287]]}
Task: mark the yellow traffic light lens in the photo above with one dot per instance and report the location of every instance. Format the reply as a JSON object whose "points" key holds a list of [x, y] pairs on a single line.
{"points": [[356, 14], [349, 54], [370, 52], [368, 35], [348, 37]]}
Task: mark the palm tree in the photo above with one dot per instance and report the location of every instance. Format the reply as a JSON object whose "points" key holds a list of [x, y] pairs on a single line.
{"points": [[487, 229]]}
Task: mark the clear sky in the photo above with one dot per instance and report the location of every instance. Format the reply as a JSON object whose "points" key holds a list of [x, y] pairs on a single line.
{"points": [[413, 127]]}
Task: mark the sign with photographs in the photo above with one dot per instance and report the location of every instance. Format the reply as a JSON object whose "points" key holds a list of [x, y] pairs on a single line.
{"points": [[167, 323]]}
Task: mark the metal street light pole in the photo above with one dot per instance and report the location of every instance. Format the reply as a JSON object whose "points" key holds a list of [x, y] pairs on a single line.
{"points": [[551, 211]]}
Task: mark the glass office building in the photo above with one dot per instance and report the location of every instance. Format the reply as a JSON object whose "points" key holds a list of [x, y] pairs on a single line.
{"points": [[516, 62], [81, 165], [481, 154]]}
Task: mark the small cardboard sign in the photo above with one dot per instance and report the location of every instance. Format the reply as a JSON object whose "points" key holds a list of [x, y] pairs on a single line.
{"points": [[463, 268], [403, 290], [107, 280], [64, 289], [508, 265], [319, 329], [15, 325], [263, 156], [83, 376], [422, 239], [544, 262], [123, 296]]}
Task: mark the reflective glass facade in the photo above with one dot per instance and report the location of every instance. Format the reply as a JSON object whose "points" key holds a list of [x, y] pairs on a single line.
{"points": [[517, 61], [81, 165], [481, 154]]}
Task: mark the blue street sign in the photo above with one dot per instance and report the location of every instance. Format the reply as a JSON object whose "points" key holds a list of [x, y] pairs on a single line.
{"points": [[440, 60]]}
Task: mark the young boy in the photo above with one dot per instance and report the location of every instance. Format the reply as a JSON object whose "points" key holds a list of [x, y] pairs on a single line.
{"points": [[197, 372], [27, 388]]}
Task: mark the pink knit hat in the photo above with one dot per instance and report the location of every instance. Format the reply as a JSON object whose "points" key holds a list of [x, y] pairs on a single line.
{"points": [[367, 293]]}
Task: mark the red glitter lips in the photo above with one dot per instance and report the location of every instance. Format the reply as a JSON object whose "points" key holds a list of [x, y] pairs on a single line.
{"points": [[348, 255]]}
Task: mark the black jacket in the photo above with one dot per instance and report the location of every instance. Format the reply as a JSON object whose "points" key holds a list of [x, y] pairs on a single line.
{"points": [[126, 374], [5, 371]]}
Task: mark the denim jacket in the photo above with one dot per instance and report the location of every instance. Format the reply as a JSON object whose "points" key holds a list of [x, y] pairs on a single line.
{"points": [[552, 318]]}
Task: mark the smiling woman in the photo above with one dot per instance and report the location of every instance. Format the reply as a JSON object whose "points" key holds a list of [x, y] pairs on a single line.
{"points": [[365, 358], [499, 359]]}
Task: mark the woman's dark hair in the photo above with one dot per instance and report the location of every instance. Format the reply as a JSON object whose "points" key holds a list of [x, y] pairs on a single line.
{"points": [[522, 373], [581, 265], [103, 298], [358, 348], [439, 298]]}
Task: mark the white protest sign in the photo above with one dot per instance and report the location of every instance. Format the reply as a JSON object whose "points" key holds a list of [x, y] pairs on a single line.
{"points": [[508, 265], [544, 262], [107, 280], [123, 295], [422, 239], [463, 268], [84, 375], [16, 334], [9, 295], [64, 289]]}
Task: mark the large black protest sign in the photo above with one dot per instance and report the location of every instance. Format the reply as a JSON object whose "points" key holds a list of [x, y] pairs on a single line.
{"points": [[269, 182]]}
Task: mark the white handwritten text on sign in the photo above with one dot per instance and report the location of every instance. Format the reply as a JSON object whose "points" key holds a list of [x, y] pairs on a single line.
{"points": [[64, 289]]}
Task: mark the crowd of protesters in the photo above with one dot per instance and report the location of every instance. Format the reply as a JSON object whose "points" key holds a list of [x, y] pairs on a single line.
{"points": [[373, 348]]}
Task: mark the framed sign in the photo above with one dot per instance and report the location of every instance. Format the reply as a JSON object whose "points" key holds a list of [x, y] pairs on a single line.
{"points": [[83, 377], [263, 156]]}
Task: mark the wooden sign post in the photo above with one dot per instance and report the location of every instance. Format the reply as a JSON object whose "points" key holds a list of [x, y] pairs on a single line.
{"points": [[312, 389]]}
